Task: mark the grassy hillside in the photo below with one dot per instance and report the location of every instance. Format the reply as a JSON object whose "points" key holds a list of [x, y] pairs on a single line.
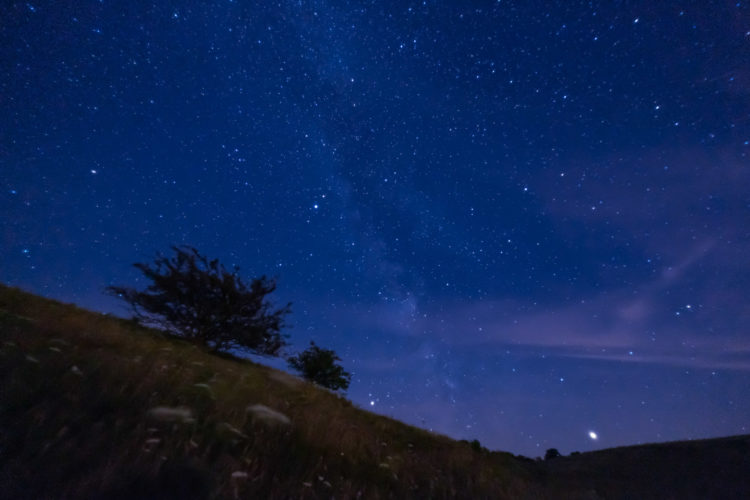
{"points": [[93, 406]]}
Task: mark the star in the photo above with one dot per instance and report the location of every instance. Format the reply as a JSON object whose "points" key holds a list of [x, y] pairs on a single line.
{"points": [[551, 205]]}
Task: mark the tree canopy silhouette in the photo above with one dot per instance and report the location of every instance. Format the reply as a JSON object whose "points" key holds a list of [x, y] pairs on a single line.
{"points": [[319, 366], [201, 300]]}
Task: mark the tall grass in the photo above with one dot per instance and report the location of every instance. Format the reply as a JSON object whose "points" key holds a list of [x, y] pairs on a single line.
{"points": [[96, 406]]}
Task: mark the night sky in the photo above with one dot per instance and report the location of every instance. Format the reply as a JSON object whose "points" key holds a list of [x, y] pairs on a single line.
{"points": [[519, 222]]}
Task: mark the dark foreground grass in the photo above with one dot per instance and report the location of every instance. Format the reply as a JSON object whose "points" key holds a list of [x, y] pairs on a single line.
{"points": [[93, 406]]}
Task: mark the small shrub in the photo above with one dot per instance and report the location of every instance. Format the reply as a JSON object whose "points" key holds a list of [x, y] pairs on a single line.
{"points": [[476, 446], [320, 366]]}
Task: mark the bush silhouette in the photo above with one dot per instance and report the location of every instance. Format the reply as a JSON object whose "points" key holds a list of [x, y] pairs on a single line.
{"points": [[199, 299], [319, 366], [476, 446], [551, 453]]}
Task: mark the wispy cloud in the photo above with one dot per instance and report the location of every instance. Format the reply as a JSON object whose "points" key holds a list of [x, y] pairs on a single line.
{"points": [[635, 325]]}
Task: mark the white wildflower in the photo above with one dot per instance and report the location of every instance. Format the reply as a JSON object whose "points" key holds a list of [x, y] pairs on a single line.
{"points": [[206, 388], [267, 415], [168, 414]]}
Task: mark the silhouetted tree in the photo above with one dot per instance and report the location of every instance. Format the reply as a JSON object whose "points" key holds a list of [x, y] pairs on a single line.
{"points": [[319, 366], [477, 446], [199, 299], [551, 453]]}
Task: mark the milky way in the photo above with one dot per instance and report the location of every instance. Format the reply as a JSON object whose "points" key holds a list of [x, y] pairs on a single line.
{"points": [[514, 221]]}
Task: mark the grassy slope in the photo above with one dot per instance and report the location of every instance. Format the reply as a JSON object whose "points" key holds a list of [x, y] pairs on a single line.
{"points": [[77, 388], [75, 397]]}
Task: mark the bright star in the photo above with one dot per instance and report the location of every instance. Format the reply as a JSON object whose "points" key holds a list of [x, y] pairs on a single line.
{"points": [[593, 435]]}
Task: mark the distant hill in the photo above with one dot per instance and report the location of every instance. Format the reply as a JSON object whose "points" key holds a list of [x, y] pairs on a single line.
{"points": [[93, 406], [709, 468]]}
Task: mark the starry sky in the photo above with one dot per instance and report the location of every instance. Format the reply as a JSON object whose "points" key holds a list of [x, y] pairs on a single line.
{"points": [[515, 221]]}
